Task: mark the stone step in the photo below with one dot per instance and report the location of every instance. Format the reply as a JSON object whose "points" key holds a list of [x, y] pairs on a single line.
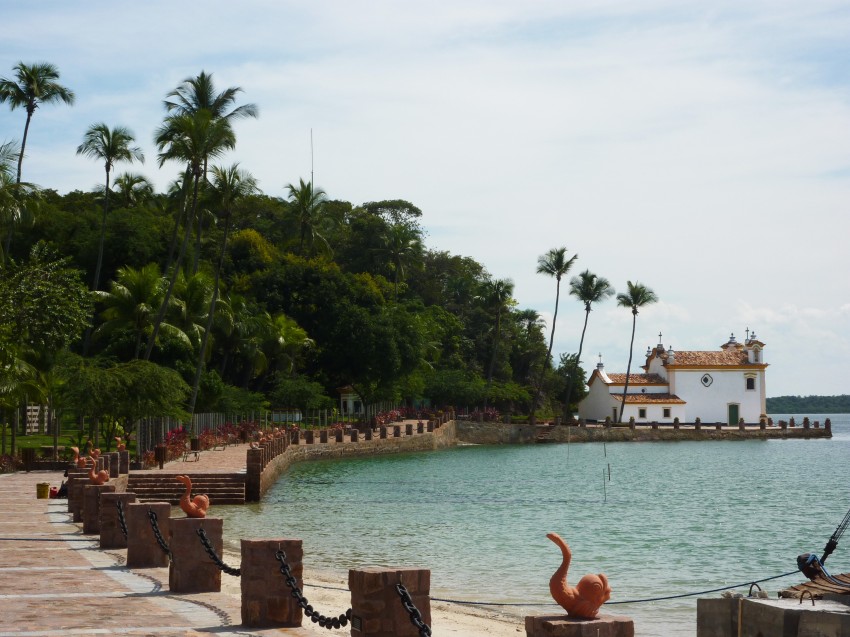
{"points": [[221, 488]]}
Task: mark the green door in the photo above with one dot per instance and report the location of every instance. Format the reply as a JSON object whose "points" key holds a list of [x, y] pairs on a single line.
{"points": [[733, 414]]}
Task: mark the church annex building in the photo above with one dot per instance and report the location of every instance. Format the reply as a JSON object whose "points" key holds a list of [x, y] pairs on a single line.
{"points": [[715, 386]]}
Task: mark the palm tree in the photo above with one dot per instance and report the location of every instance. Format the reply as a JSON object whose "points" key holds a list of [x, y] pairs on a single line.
{"points": [[16, 198], [133, 189], [403, 245], [637, 297], [498, 296], [228, 186], [34, 84], [308, 203], [196, 94], [108, 145], [589, 289], [190, 138], [555, 264], [131, 302]]}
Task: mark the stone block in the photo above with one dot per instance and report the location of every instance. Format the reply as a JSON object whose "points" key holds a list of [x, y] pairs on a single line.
{"points": [[143, 551], [323, 435], [376, 606], [408, 429], [111, 535], [565, 626], [191, 569], [124, 462], [267, 601], [91, 506], [355, 435], [114, 461]]}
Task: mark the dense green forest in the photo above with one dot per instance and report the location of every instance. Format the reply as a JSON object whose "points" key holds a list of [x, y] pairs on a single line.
{"points": [[123, 302], [809, 404]]}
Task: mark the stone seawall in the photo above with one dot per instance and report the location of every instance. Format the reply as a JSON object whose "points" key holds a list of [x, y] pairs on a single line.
{"points": [[493, 433], [260, 478]]}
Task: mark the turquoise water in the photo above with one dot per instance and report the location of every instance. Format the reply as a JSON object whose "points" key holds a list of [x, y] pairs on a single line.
{"points": [[674, 517]]}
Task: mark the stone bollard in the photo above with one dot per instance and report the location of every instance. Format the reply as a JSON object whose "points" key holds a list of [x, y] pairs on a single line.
{"points": [[376, 606], [408, 429], [267, 601], [396, 431], [191, 569], [114, 462], [323, 435], [339, 434], [295, 437], [430, 426], [367, 435], [77, 480], [143, 551], [566, 626], [308, 437], [91, 506], [355, 435], [124, 462], [383, 431], [111, 535], [718, 426], [420, 427]]}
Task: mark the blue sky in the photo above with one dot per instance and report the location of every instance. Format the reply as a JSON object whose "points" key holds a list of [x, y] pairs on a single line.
{"points": [[699, 148]]}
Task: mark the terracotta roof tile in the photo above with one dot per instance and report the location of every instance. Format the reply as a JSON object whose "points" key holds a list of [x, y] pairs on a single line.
{"points": [[637, 379], [727, 357], [666, 399]]}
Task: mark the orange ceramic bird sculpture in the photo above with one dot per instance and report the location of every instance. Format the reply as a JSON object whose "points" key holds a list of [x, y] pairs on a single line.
{"points": [[582, 601], [197, 506], [100, 477], [119, 446], [79, 461]]}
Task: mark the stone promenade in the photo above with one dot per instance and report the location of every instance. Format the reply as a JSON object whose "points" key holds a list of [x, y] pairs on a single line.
{"points": [[56, 581]]}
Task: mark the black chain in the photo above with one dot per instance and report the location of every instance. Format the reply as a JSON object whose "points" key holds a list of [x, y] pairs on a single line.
{"points": [[159, 539], [121, 519], [214, 556], [415, 615], [315, 617]]}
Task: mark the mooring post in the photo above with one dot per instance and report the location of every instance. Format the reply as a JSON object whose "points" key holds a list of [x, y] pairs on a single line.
{"points": [[377, 606], [91, 506], [143, 550], [191, 569], [267, 600], [566, 626], [111, 534]]}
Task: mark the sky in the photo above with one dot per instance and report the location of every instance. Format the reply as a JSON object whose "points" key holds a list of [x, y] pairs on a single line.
{"points": [[699, 148]]}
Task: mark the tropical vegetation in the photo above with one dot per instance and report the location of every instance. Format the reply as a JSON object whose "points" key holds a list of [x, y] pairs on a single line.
{"points": [[213, 296]]}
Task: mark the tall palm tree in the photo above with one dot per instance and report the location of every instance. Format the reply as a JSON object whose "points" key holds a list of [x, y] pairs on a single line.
{"points": [[229, 185], [589, 289], [637, 297], [498, 296], [555, 264], [190, 138], [109, 145], [133, 189], [308, 203], [34, 84], [199, 93]]}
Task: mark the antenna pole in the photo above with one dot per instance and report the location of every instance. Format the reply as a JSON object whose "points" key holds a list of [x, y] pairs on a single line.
{"points": [[311, 158]]}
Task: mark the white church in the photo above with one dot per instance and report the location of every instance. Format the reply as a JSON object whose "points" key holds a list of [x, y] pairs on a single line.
{"points": [[715, 386]]}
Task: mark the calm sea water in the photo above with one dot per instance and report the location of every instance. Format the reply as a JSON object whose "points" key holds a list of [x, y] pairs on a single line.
{"points": [[674, 518]]}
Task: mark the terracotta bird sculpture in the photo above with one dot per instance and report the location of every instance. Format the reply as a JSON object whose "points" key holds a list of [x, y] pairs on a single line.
{"points": [[99, 477], [195, 507], [78, 460], [119, 445], [582, 601]]}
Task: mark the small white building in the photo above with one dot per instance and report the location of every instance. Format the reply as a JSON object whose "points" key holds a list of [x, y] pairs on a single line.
{"points": [[714, 386]]}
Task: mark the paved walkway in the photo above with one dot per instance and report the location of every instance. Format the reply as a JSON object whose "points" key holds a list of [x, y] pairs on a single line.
{"points": [[232, 459], [56, 581]]}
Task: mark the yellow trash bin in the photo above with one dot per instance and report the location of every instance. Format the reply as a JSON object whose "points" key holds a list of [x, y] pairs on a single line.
{"points": [[42, 490]]}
